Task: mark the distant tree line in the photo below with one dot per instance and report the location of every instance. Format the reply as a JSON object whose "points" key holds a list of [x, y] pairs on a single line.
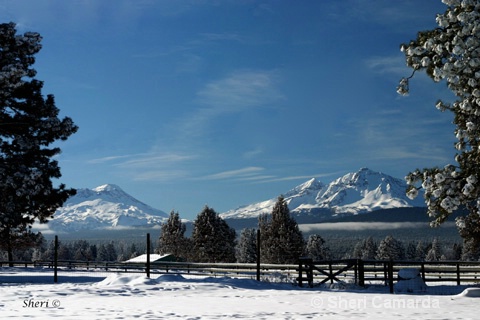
{"points": [[281, 241]]}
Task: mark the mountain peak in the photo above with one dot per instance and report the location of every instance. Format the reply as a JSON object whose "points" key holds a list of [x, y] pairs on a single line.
{"points": [[105, 206], [362, 191], [107, 188], [311, 185]]}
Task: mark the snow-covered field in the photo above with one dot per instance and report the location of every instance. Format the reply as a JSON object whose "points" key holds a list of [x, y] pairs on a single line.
{"points": [[26, 294]]}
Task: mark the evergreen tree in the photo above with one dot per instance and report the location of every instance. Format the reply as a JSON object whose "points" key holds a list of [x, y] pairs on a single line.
{"points": [[435, 252], [317, 249], [246, 250], [411, 251], [213, 239], [471, 250], [390, 249], [63, 252], [470, 232], [102, 254], [365, 249], [420, 251], [451, 53], [111, 252], [172, 237], [454, 252], [29, 125], [281, 239], [132, 252]]}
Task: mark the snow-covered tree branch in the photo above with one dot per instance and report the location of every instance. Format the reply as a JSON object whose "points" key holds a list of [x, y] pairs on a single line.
{"points": [[451, 53]]}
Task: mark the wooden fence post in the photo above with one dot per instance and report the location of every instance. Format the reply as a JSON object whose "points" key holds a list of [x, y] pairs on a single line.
{"points": [[361, 272], [55, 260], [258, 255], [330, 269], [423, 271], [148, 255], [458, 273], [390, 275], [300, 272]]}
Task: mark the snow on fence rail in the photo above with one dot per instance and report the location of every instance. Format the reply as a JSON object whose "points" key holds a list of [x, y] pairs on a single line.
{"points": [[312, 273], [362, 272]]}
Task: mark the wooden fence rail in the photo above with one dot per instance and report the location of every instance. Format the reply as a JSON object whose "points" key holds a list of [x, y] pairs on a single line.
{"points": [[312, 273], [362, 272]]}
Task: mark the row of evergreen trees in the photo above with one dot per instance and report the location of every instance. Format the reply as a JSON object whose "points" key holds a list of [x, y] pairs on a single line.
{"points": [[80, 250], [392, 249], [281, 241], [213, 240]]}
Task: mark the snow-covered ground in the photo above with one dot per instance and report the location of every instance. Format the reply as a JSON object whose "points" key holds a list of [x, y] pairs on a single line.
{"points": [[95, 295]]}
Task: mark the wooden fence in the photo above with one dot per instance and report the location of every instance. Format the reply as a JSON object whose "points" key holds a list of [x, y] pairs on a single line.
{"points": [[362, 272], [307, 272]]}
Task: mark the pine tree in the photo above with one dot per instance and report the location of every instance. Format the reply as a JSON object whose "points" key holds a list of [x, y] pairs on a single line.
{"points": [[435, 252], [102, 254], [471, 250], [316, 248], [172, 237], [411, 251], [29, 125], [213, 239], [111, 252], [281, 239], [390, 249], [451, 53], [420, 251], [246, 250], [365, 249]]}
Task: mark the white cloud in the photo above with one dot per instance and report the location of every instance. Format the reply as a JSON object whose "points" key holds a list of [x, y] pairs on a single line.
{"points": [[233, 174], [241, 90], [253, 153], [236, 93], [155, 160], [390, 64]]}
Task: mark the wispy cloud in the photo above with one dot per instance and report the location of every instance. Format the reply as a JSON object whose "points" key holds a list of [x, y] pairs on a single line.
{"points": [[253, 153], [155, 160], [238, 92], [391, 65], [299, 177], [242, 173], [241, 90], [111, 158], [150, 166]]}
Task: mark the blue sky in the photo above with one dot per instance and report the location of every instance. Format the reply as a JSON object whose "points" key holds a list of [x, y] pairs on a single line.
{"points": [[187, 103]]}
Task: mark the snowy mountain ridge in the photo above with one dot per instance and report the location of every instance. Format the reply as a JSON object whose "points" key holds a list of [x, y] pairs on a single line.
{"points": [[354, 193], [108, 206], [104, 207]]}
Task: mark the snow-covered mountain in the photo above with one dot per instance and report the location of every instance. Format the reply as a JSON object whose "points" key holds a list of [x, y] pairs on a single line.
{"points": [[354, 193], [103, 207]]}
